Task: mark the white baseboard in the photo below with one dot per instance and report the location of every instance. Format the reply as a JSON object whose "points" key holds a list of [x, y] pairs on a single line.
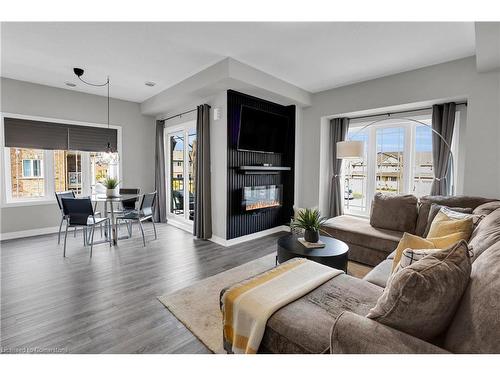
{"points": [[28, 233], [248, 237], [180, 225]]}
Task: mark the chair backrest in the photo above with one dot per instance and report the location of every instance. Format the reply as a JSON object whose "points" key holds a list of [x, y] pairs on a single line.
{"points": [[130, 203], [178, 200], [148, 200], [63, 194], [77, 210]]}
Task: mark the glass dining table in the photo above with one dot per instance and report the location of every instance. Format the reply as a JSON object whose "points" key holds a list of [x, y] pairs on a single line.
{"points": [[97, 198]]}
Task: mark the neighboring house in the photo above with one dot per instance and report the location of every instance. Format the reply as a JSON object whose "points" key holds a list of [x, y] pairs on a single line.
{"points": [[27, 171]]}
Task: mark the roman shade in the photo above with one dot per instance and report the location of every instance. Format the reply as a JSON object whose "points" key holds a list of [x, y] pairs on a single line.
{"points": [[56, 136]]}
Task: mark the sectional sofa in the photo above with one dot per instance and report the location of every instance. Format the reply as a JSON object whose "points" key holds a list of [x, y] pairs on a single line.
{"points": [[332, 319]]}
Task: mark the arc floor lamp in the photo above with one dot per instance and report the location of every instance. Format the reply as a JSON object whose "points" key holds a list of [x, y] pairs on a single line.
{"points": [[351, 149]]}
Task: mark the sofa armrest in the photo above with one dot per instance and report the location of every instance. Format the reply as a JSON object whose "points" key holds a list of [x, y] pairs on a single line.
{"points": [[354, 334]]}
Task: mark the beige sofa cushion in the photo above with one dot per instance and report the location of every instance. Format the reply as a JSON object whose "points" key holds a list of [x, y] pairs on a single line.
{"points": [[476, 325], [421, 299], [380, 274], [303, 326], [358, 231], [486, 208], [394, 212], [486, 234]]}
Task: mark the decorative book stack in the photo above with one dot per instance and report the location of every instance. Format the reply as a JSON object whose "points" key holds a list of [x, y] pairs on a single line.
{"points": [[311, 245]]}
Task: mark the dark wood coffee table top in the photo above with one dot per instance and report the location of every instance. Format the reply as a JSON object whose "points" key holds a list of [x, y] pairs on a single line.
{"points": [[334, 254]]}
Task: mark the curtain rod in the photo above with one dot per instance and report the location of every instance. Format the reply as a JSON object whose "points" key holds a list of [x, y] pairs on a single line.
{"points": [[179, 115], [399, 112]]}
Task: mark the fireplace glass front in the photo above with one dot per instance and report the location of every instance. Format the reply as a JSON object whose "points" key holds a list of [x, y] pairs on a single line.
{"points": [[261, 197]]}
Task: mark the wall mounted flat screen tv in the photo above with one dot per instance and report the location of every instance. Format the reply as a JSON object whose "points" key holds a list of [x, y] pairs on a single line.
{"points": [[262, 131]]}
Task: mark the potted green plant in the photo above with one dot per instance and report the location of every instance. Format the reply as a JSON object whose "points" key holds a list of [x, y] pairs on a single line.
{"points": [[310, 220], [111, 185]]}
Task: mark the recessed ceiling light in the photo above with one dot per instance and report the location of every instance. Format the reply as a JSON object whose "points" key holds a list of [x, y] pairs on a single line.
{"points": [[150, 84], [70, 84]]}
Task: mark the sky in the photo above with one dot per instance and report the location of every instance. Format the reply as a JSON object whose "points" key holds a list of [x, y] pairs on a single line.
{"points": [[392, 139]]}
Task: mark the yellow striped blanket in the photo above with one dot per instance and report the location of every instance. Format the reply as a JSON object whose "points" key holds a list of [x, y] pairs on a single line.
{"points": [[247, 306]]}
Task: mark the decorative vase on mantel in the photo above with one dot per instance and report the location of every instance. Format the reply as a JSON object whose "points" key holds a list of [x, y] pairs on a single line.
{"points": [[111, 193], [311, 235]]}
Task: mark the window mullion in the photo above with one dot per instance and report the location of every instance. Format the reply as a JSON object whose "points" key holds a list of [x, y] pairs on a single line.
{"points": [[85, 171], [371, 166], [7, 175], [186, 172], [48, 172], [410, 157]]}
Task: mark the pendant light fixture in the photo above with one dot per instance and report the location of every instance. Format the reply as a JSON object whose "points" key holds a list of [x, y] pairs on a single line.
{"points": [[111, 155]]}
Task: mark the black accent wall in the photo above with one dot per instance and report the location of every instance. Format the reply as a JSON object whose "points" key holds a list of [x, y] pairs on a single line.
{"points": [[240, 223]]}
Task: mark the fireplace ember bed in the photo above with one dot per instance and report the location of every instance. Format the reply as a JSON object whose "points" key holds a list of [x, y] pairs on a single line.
{"points": [[261, 197]]}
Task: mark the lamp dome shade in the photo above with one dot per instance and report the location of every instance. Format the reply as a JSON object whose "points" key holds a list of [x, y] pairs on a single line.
{"points": [[350, 149]]}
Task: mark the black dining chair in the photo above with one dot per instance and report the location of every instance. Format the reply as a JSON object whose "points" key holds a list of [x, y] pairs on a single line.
{"points": [[59, 196], [80, 213], [68, 194], [129, 204], [145, 212]]}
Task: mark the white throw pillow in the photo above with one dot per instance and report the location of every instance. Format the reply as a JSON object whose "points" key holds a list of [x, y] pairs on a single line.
{"points": [[411, 256]]}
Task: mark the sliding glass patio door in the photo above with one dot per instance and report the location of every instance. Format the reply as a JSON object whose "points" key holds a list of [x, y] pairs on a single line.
{"points": [[181, 153]]}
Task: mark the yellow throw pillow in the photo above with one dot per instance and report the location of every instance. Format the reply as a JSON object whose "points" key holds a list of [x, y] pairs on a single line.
{"points": [[444, 225], [451, 239], [411, 241]]}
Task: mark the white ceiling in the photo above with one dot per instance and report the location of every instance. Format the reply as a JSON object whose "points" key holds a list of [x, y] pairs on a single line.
{"points": [[313, 56]]}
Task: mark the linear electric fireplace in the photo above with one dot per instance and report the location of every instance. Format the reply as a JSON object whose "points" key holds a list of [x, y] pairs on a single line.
{"points": [[261, 197]]}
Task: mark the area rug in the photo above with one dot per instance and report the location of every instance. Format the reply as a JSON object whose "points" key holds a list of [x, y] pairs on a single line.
{"points": [[197, 306]]}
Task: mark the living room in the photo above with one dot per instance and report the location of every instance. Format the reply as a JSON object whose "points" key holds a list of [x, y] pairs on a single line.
{"points": [[225, 194]]}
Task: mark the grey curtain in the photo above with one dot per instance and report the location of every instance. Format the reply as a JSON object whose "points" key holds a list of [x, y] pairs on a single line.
{"points": [[203, 203], [443, 122], [160, 176], [338, 132]]}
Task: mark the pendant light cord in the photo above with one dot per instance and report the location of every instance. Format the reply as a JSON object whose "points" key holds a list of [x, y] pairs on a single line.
{"points": [[107, 83], [79, 72], [93, 84]]}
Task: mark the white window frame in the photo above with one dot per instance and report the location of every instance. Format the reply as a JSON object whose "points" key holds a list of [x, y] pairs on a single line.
{"points": [[408, 152], [48, 164], [32, 176]]}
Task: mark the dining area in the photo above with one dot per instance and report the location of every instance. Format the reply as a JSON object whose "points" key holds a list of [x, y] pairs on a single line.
{"points": [[108, 212]]}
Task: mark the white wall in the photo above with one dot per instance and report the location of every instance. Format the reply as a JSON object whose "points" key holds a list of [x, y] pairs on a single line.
{"points": [[449, 81], [138, 136], [218, 154]]}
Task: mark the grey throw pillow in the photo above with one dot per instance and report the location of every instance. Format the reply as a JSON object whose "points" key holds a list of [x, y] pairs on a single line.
{"points": [[394, 212], [421, 298], [486, 208], [435, 208]]}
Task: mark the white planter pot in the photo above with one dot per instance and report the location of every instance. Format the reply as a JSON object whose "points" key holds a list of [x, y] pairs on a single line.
{"points": [[112, 192]]}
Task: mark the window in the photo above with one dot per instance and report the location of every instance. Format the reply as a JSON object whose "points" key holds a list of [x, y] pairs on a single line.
{"points": [[43, 156], [180, 144], [26, 173], [32, 168], [78, 171], [398, 159]]}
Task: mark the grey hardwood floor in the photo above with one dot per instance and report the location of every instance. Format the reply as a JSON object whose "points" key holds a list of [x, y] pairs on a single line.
{"points": [[107, 304]]}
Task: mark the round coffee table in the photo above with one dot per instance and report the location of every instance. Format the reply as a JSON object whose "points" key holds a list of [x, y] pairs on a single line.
{"points": [[334, 254]]}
